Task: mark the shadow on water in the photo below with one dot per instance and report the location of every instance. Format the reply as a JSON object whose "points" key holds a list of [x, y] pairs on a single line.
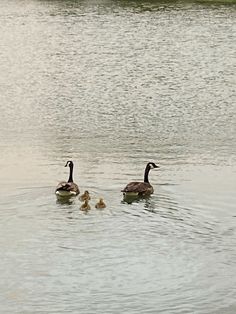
{"points": [[65, 200], [151, 203], [129, 199]]}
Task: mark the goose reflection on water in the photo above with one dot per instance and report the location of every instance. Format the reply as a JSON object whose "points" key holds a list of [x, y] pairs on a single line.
{"points": [[65, 200], [134, 198], [160, 204]]}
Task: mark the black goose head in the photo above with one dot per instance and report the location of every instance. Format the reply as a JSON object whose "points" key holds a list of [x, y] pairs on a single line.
{"points": [[152, 165], [69, 163]]}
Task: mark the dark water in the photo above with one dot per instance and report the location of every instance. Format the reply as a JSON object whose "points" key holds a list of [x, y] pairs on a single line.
{"points": [[112, 85]]}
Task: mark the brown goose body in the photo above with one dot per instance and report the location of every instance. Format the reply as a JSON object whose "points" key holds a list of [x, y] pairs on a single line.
{"points": [[69, 188], [141, 188]]}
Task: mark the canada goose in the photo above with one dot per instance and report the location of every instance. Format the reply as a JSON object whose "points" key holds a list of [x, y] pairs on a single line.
{"points": [[68, 188], [100, 204], [85, 206], [141, 188], [85, 196]]}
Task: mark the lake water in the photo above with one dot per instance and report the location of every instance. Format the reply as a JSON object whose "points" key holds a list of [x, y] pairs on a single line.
{"points": [[113, 85]]}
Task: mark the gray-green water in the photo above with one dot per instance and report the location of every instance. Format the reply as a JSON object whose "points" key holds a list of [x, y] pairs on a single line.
{"points": [[112, 85]]}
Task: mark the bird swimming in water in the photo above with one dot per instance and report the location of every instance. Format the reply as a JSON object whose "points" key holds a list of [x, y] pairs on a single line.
{"points": [[140, 188], [69, 188], [85, 196], [85, 206], [100, 204]]}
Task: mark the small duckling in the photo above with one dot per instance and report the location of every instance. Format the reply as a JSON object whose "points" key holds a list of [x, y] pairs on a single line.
{"points": [[84, 196], [85, 206], [100, 204]]}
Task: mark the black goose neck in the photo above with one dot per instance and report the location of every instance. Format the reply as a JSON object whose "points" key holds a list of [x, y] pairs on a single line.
{"points": [[71, 173], [146, 173]]}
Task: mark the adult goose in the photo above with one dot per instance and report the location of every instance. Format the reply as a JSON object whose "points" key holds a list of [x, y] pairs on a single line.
{"points": [[68, 188], [141, 188]]}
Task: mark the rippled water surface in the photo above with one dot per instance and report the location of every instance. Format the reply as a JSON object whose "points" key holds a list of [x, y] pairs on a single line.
{"points": [[113, 85]]}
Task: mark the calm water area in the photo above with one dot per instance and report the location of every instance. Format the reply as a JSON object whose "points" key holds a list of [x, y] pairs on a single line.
{"points": [[112, 85]]}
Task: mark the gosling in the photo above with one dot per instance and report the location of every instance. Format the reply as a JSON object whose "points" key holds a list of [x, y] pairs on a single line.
{"points": [[85, 206], [100, 204], [85, 196]]}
